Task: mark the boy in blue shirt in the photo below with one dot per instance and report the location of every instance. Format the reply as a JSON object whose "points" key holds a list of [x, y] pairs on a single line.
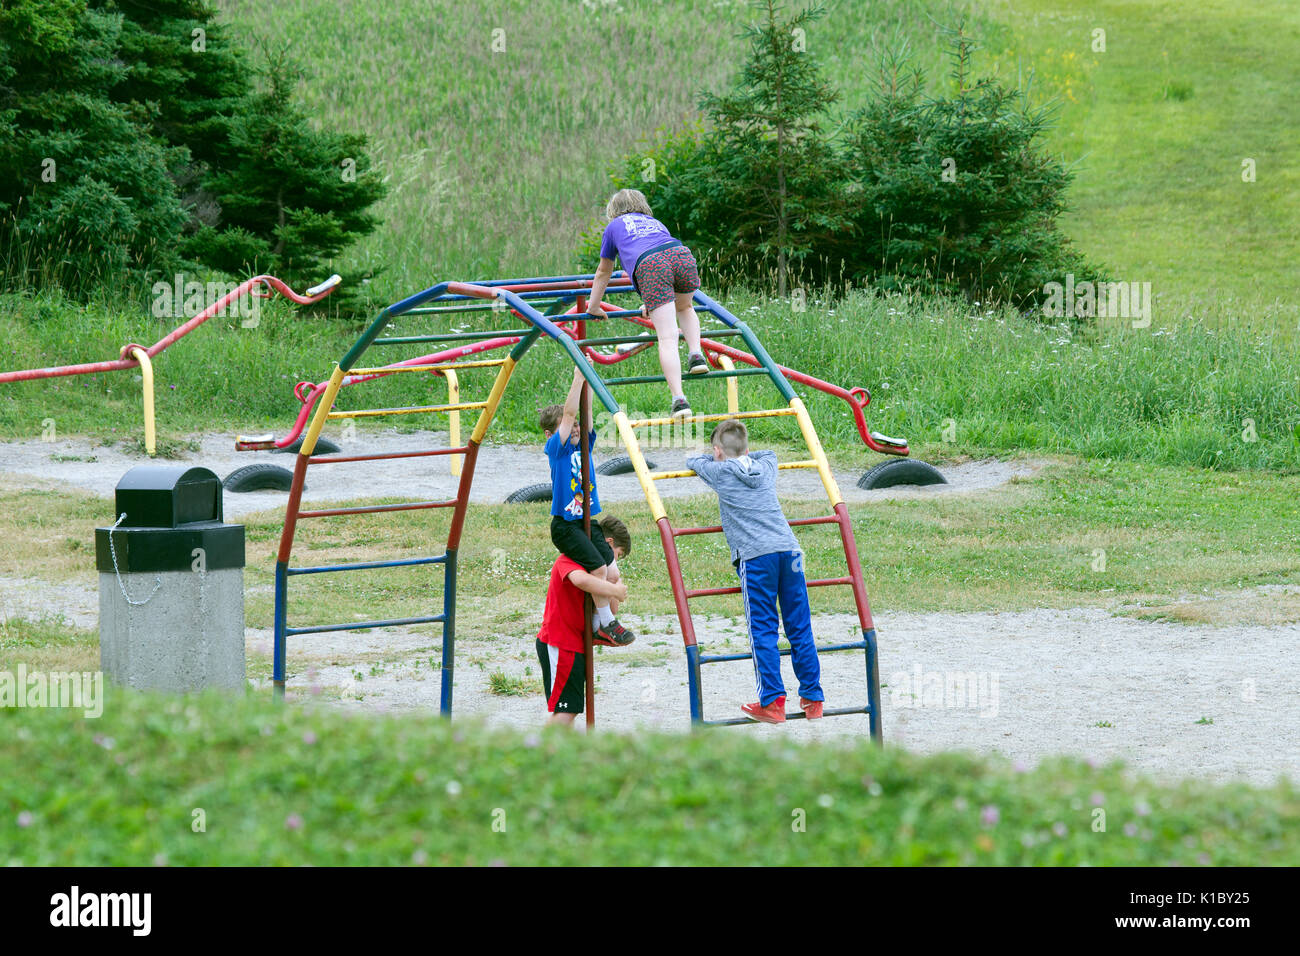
{"points": [[592, 553], [770, 565]]}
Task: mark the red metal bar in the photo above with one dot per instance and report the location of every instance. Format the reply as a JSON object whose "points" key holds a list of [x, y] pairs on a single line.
{"points": [[818, 583], [396, 454], [245, 288], [679, 586], [717, 529], [855, 567], [462, 495], [291, 510], [376, 509]]}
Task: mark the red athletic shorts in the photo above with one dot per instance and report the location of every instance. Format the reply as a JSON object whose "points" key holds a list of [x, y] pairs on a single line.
{"points": [[665, 272]]}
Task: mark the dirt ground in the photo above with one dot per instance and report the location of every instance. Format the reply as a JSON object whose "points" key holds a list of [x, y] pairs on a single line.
{"points": [[1171, 699]]}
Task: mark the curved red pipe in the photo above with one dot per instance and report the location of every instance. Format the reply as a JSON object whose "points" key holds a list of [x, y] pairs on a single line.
{"points": [[248, 287]]}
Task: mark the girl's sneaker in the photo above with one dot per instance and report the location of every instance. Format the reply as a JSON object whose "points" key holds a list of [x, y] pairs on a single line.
{"points": [[681, 408], [812, 709], [696, 364]]}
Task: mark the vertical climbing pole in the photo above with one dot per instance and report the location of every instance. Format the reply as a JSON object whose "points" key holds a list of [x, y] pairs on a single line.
{"points": [[584, 410]]}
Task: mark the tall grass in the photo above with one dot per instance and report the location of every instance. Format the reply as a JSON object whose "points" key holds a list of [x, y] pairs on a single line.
{"points": [[498, 160], [1208, 390]]}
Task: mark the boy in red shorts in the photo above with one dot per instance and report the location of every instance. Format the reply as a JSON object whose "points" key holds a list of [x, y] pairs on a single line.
{"points": [[560, 647]]}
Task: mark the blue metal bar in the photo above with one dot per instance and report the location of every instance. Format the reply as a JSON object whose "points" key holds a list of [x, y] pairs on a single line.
{"points": [[693, 683], [873, 686], [281, 608], [448, 631], [799, 715], [715, 658], [366, 566], [363, 625]]}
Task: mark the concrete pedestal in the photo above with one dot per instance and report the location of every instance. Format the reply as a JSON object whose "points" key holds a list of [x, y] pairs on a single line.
{"points": [[187, 636]]}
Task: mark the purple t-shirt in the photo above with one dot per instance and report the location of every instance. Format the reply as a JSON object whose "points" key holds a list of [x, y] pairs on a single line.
{"points": [[631, 236]]}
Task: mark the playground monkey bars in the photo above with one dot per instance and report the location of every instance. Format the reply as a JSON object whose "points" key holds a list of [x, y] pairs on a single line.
{"points": [[517, 297]]}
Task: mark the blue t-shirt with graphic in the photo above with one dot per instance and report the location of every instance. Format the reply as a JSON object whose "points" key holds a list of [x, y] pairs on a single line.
{"points": [[566, 476]]}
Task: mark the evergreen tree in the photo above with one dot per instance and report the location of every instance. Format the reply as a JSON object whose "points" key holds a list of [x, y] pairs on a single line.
{"points": [[131, 135], [86, 193], [775, 174], [291, 198], [952, 192]]}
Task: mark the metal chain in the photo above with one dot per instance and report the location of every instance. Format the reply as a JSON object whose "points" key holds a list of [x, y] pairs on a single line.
{"points": [[112, 549]]}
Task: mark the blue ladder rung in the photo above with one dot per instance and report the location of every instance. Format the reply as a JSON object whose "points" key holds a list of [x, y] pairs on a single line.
{"points": [[785, 652], [800, 715], [367, 565], [362, 625]]}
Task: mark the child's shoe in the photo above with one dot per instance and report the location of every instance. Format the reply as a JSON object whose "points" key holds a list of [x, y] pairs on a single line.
{"points": [[613, 634], [773, 713], [681, 408], [812, 709], [696, 364]]}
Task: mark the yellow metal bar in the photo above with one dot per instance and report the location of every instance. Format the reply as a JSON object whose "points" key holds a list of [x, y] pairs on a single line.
{"points": [[769, 413], [146, 377], [436, 367], [322, 412], [733, 385], [453, 427], [783, 466], [815, 446], [414, 409], [633, 446], [493, 400]]}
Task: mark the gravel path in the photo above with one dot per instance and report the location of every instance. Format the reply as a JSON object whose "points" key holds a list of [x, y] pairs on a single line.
{"points": [[1026, 685], [501, 470]]}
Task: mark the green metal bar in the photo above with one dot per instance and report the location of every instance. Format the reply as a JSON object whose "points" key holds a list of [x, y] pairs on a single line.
{"points": [[525, 343], [722, 373], [621, 339], [474, 307], [450, 337]]}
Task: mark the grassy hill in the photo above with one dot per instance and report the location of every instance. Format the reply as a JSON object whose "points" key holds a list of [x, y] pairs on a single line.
{"points": [[499, 159]]}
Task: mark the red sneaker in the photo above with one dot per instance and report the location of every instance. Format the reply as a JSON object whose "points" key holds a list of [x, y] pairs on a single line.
{"points": [[773, 713], [812, 709]]}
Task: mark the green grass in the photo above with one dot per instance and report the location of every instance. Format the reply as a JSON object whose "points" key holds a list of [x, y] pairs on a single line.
{"points": [[1157, 127], [498, 160], [217, 781], [951, 377]]}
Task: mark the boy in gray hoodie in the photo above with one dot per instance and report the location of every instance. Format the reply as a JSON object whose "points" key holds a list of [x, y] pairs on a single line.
{"points": [[770, 565]]}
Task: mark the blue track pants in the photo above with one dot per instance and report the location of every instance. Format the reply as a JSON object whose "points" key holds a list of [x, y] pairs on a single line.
{"points": [[766, 581]]}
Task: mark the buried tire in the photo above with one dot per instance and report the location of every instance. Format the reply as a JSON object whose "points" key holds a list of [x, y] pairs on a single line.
{"points": [[323, 447], [622, 465], [901, 471], [530, 494], [261, 477]]}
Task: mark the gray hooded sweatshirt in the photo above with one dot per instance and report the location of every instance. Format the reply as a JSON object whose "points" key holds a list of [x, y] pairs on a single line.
{"points": [[752, 518]]}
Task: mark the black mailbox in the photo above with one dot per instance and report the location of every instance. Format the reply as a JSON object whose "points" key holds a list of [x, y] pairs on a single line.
{"points": [[173, 522]]}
